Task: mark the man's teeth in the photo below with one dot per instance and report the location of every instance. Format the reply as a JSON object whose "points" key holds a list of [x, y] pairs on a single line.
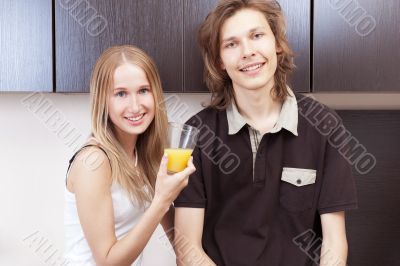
{"points": [[135, 118], [252, 68]]}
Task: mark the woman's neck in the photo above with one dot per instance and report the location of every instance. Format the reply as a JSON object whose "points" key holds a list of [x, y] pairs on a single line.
{"points": [[128, 143]]}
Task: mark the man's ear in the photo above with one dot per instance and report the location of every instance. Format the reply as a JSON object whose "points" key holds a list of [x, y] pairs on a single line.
{"points": [[221, 64], [278, 48]]}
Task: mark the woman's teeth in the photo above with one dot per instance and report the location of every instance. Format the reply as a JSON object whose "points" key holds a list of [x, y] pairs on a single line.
{"points": [[135, 118]]}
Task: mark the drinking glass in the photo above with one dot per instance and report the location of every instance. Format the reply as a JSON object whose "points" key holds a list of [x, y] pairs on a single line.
{"points": [[181, 142]]}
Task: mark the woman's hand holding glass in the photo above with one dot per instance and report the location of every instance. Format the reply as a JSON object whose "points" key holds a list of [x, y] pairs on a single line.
{"points": [[168, 186]]}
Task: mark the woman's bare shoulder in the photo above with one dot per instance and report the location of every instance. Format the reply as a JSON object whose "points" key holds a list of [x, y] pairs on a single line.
{"points": [[90, 168]]}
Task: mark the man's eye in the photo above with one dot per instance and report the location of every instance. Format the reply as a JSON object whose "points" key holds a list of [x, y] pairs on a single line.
{"points": [[230, 45], [120, 94]]}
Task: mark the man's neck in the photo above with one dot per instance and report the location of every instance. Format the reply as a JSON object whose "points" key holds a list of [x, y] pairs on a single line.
{"points": [[258, 107]]}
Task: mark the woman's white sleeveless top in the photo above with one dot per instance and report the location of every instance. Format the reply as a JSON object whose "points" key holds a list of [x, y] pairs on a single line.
{"points": [[126, 215]]}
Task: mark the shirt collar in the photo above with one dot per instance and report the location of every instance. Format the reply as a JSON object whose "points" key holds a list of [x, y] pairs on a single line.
{"points": [[288, 117]]}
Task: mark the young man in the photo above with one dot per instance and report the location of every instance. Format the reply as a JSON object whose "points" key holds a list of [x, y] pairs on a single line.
{"points": [[268, 184]]}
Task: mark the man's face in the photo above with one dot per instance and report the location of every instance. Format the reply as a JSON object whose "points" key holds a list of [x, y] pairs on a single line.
{"points": [[248, 50]]}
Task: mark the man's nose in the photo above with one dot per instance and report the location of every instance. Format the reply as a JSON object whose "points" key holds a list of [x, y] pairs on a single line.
{"points": [[247, 49]]}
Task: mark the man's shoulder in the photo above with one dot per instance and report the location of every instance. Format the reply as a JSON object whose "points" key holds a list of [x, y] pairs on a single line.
{"points": [[208, 116]]}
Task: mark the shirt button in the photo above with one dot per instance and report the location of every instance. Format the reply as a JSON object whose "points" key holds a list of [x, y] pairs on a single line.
{"points": [[298, 181]]}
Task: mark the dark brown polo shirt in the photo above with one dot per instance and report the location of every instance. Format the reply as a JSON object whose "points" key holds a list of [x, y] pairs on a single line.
{"points": [[270, 216]]}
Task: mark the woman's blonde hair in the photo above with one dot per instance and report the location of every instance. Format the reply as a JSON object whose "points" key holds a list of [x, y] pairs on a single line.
{"points": [[138, 181], [217, 79]]}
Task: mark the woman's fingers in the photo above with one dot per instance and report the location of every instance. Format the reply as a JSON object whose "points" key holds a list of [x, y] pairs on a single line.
{"points": [[190, 169], [163, 165], [190, 162]]}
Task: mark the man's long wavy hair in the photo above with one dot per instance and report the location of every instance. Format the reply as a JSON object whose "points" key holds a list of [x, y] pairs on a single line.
{"points": [[138, 181], [217, 79]]}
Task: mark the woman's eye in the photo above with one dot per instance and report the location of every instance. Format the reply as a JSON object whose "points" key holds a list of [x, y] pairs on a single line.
{"points": [[144, 90], [258, 35], [121, 94]]}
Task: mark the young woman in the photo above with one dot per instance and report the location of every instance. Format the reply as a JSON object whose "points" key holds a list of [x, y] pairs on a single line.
{"points": [[117, 191]]}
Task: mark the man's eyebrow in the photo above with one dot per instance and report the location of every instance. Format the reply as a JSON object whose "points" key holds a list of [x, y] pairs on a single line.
{"points": [[256, 29], [228, 39], [250, 31]]}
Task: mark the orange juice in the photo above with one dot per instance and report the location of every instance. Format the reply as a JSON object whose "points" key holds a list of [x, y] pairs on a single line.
{"points": [[177, 159]]}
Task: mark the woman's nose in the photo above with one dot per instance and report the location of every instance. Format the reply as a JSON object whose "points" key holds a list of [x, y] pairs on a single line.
{"points": [[134, 104]]}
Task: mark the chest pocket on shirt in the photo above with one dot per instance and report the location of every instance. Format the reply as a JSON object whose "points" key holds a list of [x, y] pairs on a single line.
{"points": [[297, 188]]}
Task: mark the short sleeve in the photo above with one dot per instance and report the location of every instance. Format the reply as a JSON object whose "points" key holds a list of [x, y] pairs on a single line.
{"points": [[193, 195], [338, 190]]}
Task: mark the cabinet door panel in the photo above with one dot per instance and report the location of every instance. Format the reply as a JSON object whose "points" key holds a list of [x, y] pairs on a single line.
{"points": [[26, 45], [84, 29], [299, 34], [373, 229], [298, 23], [194, 14], [356, 45]]}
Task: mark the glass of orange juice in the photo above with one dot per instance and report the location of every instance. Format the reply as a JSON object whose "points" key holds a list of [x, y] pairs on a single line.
{"points": [[181, 142]]}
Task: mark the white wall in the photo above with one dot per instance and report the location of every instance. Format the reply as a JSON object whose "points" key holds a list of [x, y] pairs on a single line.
{"points": [[34, 152]]}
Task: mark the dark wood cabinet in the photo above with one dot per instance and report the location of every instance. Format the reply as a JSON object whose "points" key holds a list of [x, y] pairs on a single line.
{"points": [[84, 29], [298, 14], [26, 45], [298, 23], [194, 13], [373, 230], [341, 46], [356, 45]]}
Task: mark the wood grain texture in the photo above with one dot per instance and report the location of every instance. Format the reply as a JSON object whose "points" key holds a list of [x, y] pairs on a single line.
{"points": [[194, 14], [373, 229], [26, 45], [153, 25], [347, 61], [298, 22], [299, 34]]}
